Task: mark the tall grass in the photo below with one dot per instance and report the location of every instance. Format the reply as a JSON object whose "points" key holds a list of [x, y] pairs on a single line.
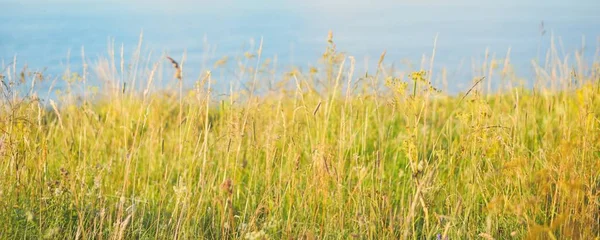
{"points": [[319, 154]]}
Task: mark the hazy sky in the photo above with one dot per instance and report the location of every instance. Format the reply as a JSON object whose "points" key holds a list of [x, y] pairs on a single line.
{"points": [[318, 5]]}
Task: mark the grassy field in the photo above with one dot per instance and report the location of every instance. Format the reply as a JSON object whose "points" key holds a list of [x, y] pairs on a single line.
{"points": [[324, 153]]}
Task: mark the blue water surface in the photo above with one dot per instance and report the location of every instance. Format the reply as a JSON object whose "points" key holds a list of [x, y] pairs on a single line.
{"points": [[50, 34]]}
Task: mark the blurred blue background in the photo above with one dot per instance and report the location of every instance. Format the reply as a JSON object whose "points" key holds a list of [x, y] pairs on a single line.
{"points": [[40, 33]]}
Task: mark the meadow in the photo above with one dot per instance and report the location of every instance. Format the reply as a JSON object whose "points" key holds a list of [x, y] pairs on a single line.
{"points": [[319, 153]]}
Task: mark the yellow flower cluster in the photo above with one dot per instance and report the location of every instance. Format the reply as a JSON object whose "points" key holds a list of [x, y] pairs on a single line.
{"points": [[418, 76]]}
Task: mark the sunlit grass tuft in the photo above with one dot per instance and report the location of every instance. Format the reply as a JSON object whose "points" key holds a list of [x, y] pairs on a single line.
{"points": [[321, 154]]}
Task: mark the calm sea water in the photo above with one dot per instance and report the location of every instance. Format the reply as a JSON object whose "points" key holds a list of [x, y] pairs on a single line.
{"points": [[41, 33]]}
